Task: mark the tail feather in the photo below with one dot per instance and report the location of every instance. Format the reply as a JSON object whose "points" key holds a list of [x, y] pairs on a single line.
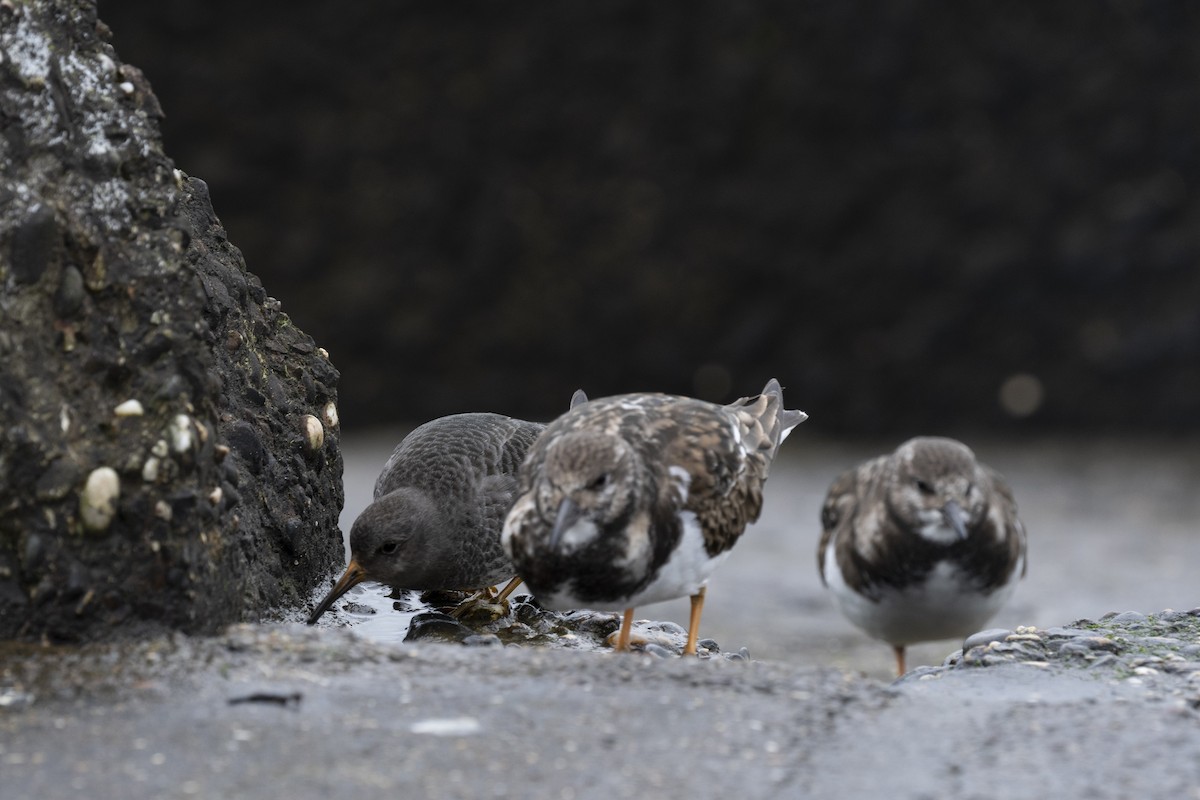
{"points": [[767, 416]]}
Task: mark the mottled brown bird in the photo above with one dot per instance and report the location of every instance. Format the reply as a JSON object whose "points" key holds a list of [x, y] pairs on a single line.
{"points": [[637, 498], [921, 544], [439, 505]]}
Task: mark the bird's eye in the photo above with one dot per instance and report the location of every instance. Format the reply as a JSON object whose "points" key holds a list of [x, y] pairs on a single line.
{"points": [[923, 487], [387, 548], [599, 482]]}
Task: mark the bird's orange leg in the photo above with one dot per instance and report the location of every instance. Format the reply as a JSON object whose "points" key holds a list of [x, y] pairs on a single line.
{"points": [[694, 622], [626, 625], [898, 649]]}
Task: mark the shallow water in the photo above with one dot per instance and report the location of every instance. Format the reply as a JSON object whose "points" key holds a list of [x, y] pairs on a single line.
{"points": [[1113, 526]]}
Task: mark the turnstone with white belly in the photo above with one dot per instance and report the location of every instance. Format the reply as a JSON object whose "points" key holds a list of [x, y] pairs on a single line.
{"points": [[921, 544], [636, 498], [439, 504]]}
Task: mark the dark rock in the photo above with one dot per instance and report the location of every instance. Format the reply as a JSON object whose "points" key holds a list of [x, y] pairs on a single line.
{"points": [[436, 626], [358, 608], [108, 256], [33, 242]]}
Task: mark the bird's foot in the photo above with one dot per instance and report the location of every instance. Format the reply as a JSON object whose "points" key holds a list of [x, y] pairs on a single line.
{"points": [[481, 607]]}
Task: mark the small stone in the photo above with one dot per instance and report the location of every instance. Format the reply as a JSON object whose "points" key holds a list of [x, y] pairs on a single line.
{"points": [[323, 353], [434, 625], [708, 644], [70, 292], [655, 649], [98, 501], [1127, 617], [1145, 671], [1074, 647], [214, 496], [130, 408], [314, 433], [162, 510], [986, 637], [1098, 643], [330, 414], [743, 654], [1065, 633], [481, 640]]}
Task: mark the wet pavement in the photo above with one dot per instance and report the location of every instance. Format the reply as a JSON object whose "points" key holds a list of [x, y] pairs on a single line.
{"points": [[285, 710]]}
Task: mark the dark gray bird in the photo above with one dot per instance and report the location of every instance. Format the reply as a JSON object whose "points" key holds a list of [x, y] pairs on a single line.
{"points": [[921, 544], [439, 505], [637, 498]]}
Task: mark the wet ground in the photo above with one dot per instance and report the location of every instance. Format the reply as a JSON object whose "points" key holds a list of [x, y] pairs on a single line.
{"points": [[1113, 526], [287, 710]]}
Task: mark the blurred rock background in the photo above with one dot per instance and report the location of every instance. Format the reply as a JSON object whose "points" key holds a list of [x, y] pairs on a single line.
{"points": [[920, 217]]}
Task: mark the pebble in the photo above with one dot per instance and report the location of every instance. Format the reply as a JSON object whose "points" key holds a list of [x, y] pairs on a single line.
{"points": [[98, 500], [656, 649], [986, 637]]}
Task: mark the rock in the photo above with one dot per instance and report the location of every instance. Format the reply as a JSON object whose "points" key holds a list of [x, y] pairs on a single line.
{"points": [[986, 637], [436, 626], [126, 415]]}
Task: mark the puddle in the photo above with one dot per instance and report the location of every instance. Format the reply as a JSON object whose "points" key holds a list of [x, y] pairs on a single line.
{"points": [[373, 613]]}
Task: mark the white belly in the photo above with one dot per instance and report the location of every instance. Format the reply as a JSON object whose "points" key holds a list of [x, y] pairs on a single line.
{"points": [[944, 606], [684, 573]]}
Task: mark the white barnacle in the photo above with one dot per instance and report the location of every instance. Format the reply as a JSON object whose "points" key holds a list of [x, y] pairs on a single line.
{"points": [[130, 408], [314, 432], [98, 501], [330, 414], [182, 438]]}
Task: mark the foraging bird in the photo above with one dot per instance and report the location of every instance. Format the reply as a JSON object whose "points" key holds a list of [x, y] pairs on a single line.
{"points": [[439, 506], [637, 498], [921, 544]]}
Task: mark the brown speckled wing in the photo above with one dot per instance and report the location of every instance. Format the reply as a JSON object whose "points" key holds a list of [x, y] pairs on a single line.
{"points": [[1014, 534], [837, 515]]}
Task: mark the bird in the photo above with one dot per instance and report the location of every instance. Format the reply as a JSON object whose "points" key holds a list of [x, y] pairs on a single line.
{"points": [[921, 544], [636, 498], [438, 508]]}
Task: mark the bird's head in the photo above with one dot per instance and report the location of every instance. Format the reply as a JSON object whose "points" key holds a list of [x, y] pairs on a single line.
{"points": [[587, 484], [936, 488], [392, 542]]}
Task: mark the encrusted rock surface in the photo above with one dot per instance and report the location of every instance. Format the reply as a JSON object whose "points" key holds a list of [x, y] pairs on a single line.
{"points": [[1158, 651], [158, 463]]}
